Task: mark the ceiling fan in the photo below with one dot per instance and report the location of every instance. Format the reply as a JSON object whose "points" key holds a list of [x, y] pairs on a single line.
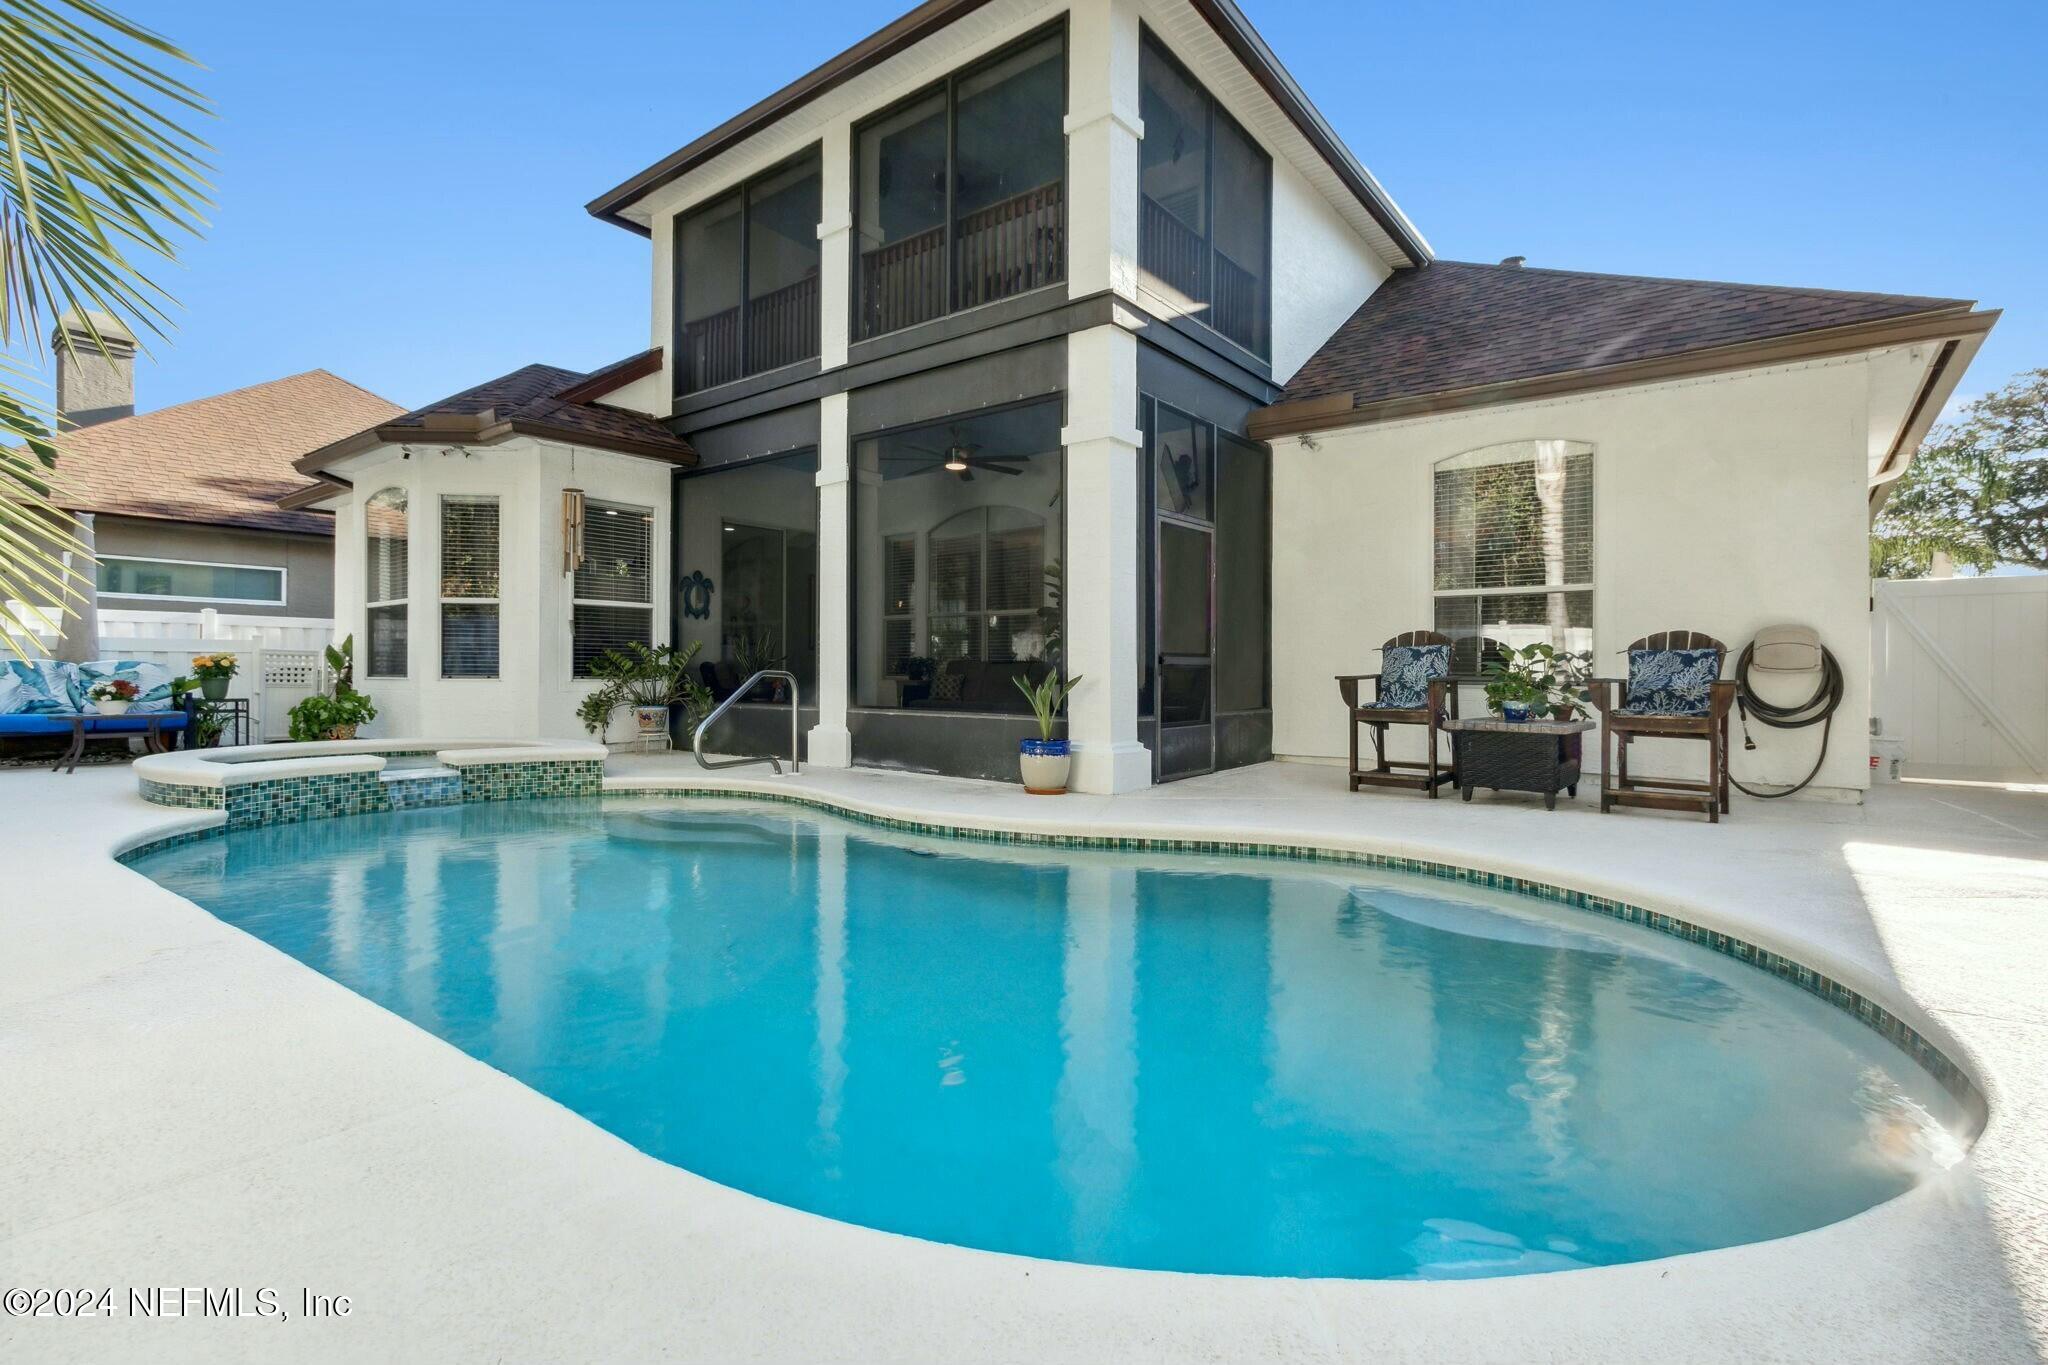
{"points": [[961, 457]]}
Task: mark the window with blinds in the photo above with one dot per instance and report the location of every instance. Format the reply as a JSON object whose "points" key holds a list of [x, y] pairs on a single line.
{"points": [[988, 586], [899, 590], [469, 586], [384, 594], [1514, 549], [612, 604]]}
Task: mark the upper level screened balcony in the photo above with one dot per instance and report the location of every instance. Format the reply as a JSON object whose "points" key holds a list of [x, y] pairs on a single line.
{"points": [[1205, 193], [960, 190], [960, 198], [747, 278]]}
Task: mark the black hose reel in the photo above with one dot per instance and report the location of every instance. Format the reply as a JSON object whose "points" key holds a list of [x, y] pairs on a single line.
{"points": [[1788, 649]]}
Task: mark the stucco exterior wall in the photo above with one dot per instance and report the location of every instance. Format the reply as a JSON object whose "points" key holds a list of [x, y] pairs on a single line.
{"points": [[1322, 271], [1721, 505], [307, 561], [533, 695]]}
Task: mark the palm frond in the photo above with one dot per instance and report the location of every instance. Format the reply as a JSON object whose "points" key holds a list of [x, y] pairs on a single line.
{"points": [[99, 178]]}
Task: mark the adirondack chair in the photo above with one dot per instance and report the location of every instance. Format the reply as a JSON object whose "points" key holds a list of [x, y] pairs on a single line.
{"points": [[1413, 687], [1661, 700]]}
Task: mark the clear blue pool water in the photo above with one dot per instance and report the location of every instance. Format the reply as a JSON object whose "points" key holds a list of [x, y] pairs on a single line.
{"points": [[1150, 1060]]}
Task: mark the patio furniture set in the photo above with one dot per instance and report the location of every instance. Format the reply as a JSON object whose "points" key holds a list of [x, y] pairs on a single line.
{"points": [[1673, 690], [47, 697]]}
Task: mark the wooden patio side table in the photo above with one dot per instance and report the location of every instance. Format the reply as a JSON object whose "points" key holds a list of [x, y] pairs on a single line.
{"points": [[1539, 756]]}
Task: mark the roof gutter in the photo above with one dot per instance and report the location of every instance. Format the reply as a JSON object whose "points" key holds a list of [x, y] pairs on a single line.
{"points": [[1332, 412], [1223, 16], [478, 429]]}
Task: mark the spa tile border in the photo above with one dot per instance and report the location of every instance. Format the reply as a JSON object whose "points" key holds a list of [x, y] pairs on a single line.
{"points": [[1861, 1007], [283, 800]]}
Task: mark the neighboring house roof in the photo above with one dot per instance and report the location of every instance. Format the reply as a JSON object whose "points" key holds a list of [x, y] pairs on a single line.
{"points": [[219, 461], [542, 401], [1456, 334], [1223, 17]]}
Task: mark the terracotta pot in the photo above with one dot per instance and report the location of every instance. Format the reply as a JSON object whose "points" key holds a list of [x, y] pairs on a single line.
{"points": [[1045, 764]]}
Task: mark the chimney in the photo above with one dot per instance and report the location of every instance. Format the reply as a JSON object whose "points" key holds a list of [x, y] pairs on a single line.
{"points": [[94, 384], [1514, 262]]}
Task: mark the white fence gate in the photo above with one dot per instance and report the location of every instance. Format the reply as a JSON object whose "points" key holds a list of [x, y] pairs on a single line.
{"points": [[1960, 675], [282, 658]]}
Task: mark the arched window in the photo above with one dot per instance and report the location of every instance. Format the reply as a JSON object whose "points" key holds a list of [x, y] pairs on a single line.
{"points": [[1514, 549], [384, 589]]}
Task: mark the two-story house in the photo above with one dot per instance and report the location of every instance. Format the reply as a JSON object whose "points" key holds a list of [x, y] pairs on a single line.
{"points": [[1034, 335]]}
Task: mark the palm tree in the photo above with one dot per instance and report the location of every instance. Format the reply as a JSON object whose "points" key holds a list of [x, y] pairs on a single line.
{"points": [[99, 178]]}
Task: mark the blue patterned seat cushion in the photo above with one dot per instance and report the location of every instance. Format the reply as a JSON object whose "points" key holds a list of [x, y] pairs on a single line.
{"points": [[1671, 682], [1405, 674]]}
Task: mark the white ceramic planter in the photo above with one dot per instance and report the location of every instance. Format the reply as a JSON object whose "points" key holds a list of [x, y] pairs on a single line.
{"points": [[1044, 764], [112, 708]]}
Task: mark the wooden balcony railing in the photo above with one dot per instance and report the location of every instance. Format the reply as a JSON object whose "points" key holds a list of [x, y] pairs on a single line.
{"points": [[1180, 258], [1004, 249], [782, 328]]}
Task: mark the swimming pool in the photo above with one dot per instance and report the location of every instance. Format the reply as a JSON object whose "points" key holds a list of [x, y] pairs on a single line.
{"points": [[1163, 1061]]}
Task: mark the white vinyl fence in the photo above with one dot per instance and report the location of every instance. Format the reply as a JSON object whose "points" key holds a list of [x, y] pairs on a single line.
{"points": [[282, 658], [1960, 675]]}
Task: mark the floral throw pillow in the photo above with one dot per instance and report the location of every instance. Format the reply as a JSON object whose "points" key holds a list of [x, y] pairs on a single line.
{"points": [[1671, 682], [1406, 672], [152, 682]]}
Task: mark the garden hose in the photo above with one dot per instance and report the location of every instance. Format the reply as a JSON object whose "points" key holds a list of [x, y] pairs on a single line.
{"points": [[1818, 709]]}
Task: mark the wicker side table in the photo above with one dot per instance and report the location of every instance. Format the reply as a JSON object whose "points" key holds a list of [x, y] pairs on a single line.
{"points": [[1539, 756]]}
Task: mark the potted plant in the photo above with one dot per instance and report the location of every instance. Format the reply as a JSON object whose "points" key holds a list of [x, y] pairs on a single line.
{"points": [[207, 724], [335, 717], [1045, 761], [1535, 680], [213, 672], [750, 654], [113, 696], [650, 681]]}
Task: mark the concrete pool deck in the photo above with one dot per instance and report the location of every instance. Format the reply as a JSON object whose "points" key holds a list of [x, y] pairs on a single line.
{"points": [[183, 1106]]}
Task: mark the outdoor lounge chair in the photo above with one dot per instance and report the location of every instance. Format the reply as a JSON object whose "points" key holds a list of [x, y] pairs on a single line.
{"points": [[46, 699], [1413, 687], [1674, 690]]}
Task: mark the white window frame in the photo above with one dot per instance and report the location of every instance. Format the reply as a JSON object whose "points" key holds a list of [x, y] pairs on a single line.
{"points": [[403, 603], [443, 601], [593, 507], [283, 586], [1489, 455]]}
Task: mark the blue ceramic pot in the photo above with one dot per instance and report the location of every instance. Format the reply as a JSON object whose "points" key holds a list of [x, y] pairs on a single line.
{"points": [[1514, 712]]}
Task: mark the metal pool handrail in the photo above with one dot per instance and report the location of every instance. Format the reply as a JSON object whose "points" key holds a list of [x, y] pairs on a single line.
{"points": [[795, 709]]}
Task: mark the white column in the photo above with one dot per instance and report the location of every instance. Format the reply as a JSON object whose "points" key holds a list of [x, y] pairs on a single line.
{"points": [[831, 743], [1101, 572], [1103, 131], [834, 233]]}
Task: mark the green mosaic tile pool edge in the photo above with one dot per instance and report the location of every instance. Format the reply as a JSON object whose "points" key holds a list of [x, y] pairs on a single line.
{"points": [[1858, 1006], [315, 797]]}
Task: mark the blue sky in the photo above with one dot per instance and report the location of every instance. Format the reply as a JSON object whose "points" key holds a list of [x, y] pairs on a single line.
{"points": [[400, 186]]}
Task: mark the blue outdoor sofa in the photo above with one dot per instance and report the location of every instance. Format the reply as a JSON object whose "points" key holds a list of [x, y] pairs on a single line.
{"points": [[45, 697]]}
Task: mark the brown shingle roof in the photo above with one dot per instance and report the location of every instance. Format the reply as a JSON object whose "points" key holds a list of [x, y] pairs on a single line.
{"points": [[536, 400], [1457, 325], [219, 461]]}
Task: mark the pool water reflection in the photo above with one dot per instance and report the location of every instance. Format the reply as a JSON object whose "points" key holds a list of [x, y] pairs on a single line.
{"points": [[1162, 1061]]}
